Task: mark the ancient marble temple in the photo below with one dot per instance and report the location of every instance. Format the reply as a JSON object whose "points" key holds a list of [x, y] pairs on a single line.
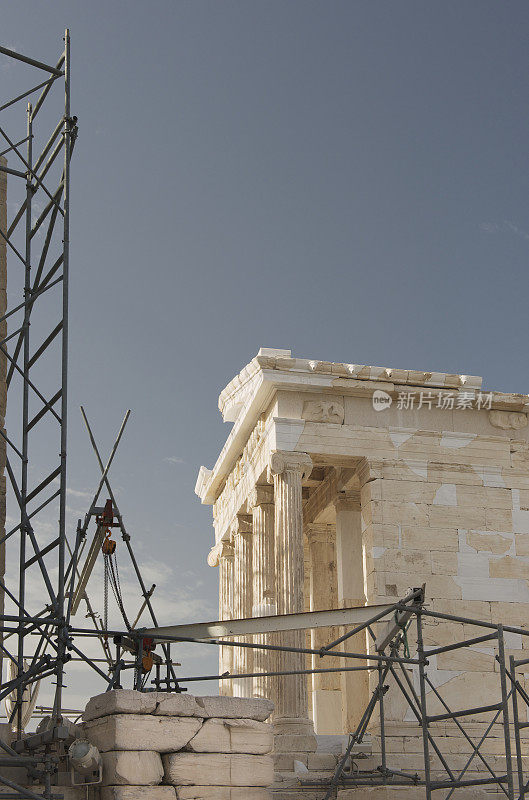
{"points": [[342, 484]]}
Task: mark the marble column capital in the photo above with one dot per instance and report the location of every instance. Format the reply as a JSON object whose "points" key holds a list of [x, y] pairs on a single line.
{"points": [[282, 461], [347, 501], [241, 526], [226, 551], [221, 550], [261, 496]]}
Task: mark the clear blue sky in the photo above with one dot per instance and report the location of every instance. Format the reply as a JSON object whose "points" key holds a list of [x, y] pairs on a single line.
{"points": [[345, 179]]}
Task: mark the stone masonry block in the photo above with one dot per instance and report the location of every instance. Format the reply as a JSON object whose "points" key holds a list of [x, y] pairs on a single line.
{"points": [[132, 767], [222, 793], [177, 705], [235, 707], [137, 793], [295, 742], [322, 761], [232, 736], [284, 762], [120, 701], [141, 732], [218, 769]]}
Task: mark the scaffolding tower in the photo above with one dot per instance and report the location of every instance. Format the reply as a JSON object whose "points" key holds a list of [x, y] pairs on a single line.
{"points": [[37, 240]]}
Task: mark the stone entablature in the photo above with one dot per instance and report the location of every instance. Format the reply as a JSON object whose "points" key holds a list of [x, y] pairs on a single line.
{"points": [[434, 492], [249, 394]]}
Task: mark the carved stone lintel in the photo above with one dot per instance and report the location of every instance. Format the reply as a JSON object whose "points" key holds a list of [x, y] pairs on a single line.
{"points": [[323, 411], [261, 495], [288, 461], [319, 532], [508, 420]]}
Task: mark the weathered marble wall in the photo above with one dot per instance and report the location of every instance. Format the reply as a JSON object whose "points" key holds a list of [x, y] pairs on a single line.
{"points": [[433, 492]]}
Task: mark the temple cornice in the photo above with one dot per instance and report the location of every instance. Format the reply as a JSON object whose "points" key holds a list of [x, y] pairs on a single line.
{"points": [[249, 394]]}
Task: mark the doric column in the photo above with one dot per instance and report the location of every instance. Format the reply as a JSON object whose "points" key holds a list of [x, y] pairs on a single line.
{"points": [[291, 717], [226, 558], [350, 574], [241, 533], [326, 687], [261, 501]]}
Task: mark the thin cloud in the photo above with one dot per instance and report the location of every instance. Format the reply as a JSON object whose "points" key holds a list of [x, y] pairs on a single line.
{"points": [[174, 460], [507, 226], [79, 493], [515, 229]]}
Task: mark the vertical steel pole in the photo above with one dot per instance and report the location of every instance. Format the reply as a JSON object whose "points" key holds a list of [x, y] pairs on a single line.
{"points": [[424, 711], [67, 132], [25, 419], [516, 723], [505, 703], [382, 720]]}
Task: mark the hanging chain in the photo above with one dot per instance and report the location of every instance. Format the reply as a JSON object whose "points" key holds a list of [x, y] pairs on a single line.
{"points": [[112, 577], [105, 598]]}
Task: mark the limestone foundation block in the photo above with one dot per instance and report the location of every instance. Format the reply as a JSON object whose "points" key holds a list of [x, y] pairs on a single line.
{"points": [[177, 705], [235, 707], [120, 701], [218, 769], [137, 793], [221, 793], [138, 732], [132, 767], [233, 736], [294, 743]]}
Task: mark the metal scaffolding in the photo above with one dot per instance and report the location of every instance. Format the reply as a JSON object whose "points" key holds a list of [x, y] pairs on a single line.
{"points": [[37, 359], [37, 239], [391, 657]]}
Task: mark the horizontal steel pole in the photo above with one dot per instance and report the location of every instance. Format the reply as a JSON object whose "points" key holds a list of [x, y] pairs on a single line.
{"points": [[461, 784], [282, 622], [10, 171], [28, 620], [477, 622], [458, 645], [256, 646], [230, 677], [21, 791], [465, 713]]}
